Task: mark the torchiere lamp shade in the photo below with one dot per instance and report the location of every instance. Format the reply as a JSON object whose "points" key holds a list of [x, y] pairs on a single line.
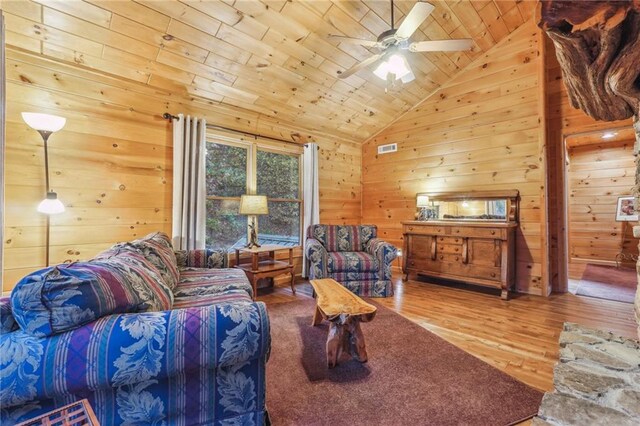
{"points": [[44, 122], [254, 204]]}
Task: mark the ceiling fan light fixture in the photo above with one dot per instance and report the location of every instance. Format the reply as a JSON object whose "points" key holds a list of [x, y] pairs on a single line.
{"points": [[396, 65]]}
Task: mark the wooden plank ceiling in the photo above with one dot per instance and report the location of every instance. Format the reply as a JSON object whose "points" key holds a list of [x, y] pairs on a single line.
{"points": [[271, 57]]}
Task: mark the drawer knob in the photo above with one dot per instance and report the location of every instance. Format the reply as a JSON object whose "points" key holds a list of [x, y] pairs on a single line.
{"points": [[457, 249], [411, 228], [412, 263], [457, 231], [493, 274], [441, 257], [456, 240], [493, 232], [438, 230], [456, 258]]}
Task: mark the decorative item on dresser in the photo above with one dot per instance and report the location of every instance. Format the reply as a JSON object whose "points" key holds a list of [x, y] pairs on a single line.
{"points": [[471, 240]]}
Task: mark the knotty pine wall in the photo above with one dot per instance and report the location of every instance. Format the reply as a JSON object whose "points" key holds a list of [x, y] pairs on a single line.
{"points": [[562, 121], [597, 174], [479, 132], [111, 164]]}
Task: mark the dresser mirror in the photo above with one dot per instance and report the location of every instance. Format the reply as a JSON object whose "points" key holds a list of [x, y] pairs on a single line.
{"points": [[485, 206]]}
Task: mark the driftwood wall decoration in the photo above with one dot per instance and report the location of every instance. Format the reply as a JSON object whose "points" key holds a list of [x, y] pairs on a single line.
{"points": [[598, 46]]}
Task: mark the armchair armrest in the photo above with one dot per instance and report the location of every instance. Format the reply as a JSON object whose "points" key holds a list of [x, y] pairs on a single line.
{"points": [[316, 254], [385, 253], [127, 349], [202, 258]]}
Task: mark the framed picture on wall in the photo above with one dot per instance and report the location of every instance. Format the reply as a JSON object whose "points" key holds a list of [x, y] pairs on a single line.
{"points": [[626, 211]]}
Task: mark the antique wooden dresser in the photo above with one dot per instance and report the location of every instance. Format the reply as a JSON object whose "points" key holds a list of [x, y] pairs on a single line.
{"points": [[477, 248]]}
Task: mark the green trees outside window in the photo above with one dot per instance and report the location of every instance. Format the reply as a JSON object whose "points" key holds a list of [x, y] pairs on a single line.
{"points": [[232, 170]]}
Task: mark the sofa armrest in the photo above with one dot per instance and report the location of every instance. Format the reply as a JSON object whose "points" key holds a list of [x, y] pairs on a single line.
{"points": [[384, 253], [202, 258], [316, 254], [127, 349]]}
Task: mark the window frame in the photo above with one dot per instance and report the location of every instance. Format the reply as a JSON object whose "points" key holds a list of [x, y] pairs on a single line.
{"points": [[253, 145]]}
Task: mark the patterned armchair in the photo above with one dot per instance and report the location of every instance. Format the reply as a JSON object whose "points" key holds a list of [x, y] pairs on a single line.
{"points": [[353, 256], [148, 335]]}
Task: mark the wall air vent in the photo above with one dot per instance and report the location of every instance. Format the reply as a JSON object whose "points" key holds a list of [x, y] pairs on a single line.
{"points": [[385, 149]]}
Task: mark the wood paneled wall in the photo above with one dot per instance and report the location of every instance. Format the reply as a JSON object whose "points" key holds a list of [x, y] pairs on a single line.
{"points": [[562, 120], [111, 164], [597, 174], [480, 131]]}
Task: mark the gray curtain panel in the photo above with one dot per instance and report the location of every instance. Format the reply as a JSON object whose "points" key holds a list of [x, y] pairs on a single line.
{"points": [[310, 194], [189, 183]]}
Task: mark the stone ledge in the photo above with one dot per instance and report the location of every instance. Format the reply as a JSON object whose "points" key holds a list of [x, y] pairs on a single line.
{"points": [[597, 380]]}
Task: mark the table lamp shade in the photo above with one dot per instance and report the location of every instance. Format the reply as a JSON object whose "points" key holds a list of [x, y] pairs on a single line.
{"points": [[45, 122], [422, 200], [254, 204]]}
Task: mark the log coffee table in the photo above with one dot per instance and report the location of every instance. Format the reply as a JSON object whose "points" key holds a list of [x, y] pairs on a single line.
{"points": [[344, 311]]}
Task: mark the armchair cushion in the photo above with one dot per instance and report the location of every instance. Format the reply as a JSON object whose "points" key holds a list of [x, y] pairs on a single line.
{"points": [[343, 237], [351, 261]]}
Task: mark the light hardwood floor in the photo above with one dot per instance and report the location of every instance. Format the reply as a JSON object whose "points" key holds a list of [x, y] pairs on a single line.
{"points": [[519, 336]]}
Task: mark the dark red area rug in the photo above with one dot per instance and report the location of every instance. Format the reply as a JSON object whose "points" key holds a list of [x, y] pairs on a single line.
{"points": [[413, 377], [608, 282]]}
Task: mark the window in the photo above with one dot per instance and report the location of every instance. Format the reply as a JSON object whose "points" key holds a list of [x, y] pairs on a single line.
{"points": [[237, 167]]}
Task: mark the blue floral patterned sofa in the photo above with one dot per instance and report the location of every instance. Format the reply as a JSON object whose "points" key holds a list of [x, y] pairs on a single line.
{"points": [[353, 256], [150, 336]]}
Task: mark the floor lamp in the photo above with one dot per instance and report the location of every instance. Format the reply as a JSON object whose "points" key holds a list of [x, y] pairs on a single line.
{"points": [[46, 124]]}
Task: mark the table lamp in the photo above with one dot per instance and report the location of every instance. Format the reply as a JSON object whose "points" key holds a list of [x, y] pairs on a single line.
{"points": [[422, 203], [253, 205]]}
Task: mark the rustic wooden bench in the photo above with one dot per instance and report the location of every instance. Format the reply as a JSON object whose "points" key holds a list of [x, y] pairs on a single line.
{"points": [[344, 311]]}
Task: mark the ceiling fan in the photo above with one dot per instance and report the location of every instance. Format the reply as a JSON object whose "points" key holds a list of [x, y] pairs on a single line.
{"points": [[393, 42]]}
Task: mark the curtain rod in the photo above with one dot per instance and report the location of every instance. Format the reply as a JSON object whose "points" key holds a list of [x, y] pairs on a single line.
{"points": [[168, 116]]}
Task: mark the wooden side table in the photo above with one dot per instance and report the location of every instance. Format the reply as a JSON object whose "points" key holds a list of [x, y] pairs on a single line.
{"points": [[266, 266]]}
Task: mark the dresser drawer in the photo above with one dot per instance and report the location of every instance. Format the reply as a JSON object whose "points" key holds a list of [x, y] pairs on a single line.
{"points": [[467, 231], [425, 229], [449, 249], [449, 240]]}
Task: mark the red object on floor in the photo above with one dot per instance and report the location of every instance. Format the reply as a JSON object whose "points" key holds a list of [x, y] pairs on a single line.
{"points": [[608, 282], [413, 377]]}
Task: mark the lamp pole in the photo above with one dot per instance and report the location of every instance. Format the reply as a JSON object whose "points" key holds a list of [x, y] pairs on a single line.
{"points": [[45, 125]]}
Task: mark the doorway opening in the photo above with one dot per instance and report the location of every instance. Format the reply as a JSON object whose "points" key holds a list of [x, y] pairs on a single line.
{"points": [[602, 251]]}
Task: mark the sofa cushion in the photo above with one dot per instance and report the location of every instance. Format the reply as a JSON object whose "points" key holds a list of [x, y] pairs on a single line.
{"points": [[158, 250], [195, 280], [201, 287], [202, 258], [64, 297], [343, 237], [7, 321], [351, 261]]}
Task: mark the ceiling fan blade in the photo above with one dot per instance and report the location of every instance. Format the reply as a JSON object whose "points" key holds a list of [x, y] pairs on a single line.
{"points": [[441, 45], [361, 42], [354, 69], [412, 21]]}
